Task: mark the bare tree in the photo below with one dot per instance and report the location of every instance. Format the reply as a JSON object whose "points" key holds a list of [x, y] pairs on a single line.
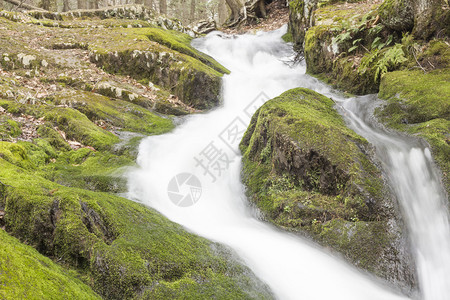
{"points": [[426, 17], [223, 12], [243, 13], [192, 12], [81, 4], [148, 3], [163, 6]]}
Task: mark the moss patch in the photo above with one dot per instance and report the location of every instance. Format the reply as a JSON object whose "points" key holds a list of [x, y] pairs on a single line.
{"points": [[120, 247], [418, 104], [27, 274]]}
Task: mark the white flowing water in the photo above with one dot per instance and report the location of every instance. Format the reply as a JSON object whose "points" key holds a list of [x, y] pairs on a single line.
{"points": [[291, 266], [409, 166]]}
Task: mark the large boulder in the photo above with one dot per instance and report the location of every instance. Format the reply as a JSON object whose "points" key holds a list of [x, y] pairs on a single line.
{"points": [[309, 173], [397, 15]]}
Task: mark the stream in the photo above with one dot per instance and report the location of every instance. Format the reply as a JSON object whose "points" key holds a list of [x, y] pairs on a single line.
{"points": [[192, 176]]}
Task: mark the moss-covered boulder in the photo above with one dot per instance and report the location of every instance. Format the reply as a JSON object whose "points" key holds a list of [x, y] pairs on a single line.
{"points": [[309, 173], [140, 47], [122, 249], [419, 104], [165, 58], [397, 15], [352, 45], [334, 39], [27, 274], [325, 60]]}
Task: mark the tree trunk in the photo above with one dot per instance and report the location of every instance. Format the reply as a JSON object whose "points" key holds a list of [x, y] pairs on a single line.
{"points": [[223, 12], [241, 14], [45, 4], [426, 21], [81, 4], [23, 5], [192, 12], [66, 6], [148, 3], [236, 8], [163, 6]]}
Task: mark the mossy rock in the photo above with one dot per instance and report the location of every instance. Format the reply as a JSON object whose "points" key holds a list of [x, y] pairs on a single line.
{"points": [[309, 173], [418, 104], [27, 274], [325, 60], [119, 114], [397, 15], [9, 128], [88, 169], [164, 57], [297, 25], [122, 249]]}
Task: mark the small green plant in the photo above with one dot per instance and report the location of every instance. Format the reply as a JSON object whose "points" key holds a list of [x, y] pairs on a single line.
{"points": [[287, 209], [379, 44], [376, 29], [342, 37], [354, 219], [356, 43], [382, 61], [280, 185], [266, 152]]}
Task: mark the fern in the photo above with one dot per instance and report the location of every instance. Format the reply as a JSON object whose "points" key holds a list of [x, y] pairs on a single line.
{"points": [[382, 62], [367, 61]]}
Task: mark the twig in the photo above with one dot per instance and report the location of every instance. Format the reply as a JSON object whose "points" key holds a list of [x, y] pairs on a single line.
{"points": [[23, 5], [414, 54]]}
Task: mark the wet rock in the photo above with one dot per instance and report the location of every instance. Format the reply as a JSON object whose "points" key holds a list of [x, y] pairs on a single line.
{"points": [[309, 173], [205, 26]]}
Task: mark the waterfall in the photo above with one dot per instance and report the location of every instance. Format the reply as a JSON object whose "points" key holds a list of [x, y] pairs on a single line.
{"points": [[409, 166], [192, 176]]}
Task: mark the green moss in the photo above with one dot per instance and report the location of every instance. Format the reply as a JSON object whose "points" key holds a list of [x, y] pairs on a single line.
{"points": [[15, 154], [418, 104], [75, 125], [51, 136], [84, 168], [39, 153], [425, 96], [314, 38], [365, 241], [9, 128], [119, 246], [287, 37], [79, 128], [308, 172], [26, 274], [180, 42], [117, 114]]}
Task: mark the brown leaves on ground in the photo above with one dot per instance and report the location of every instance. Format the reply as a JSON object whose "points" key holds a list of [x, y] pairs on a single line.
{"points": [[277, 16]]}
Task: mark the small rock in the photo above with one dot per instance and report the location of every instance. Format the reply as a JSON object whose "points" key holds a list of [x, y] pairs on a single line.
{"points": [[9, 94]]}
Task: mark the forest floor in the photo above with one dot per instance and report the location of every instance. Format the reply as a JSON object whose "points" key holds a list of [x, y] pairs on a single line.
{"points": [[277, 16]]}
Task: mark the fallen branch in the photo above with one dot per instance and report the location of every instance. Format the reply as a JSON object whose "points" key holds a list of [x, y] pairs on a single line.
{"points": [[23, 5], [414, 54]]}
